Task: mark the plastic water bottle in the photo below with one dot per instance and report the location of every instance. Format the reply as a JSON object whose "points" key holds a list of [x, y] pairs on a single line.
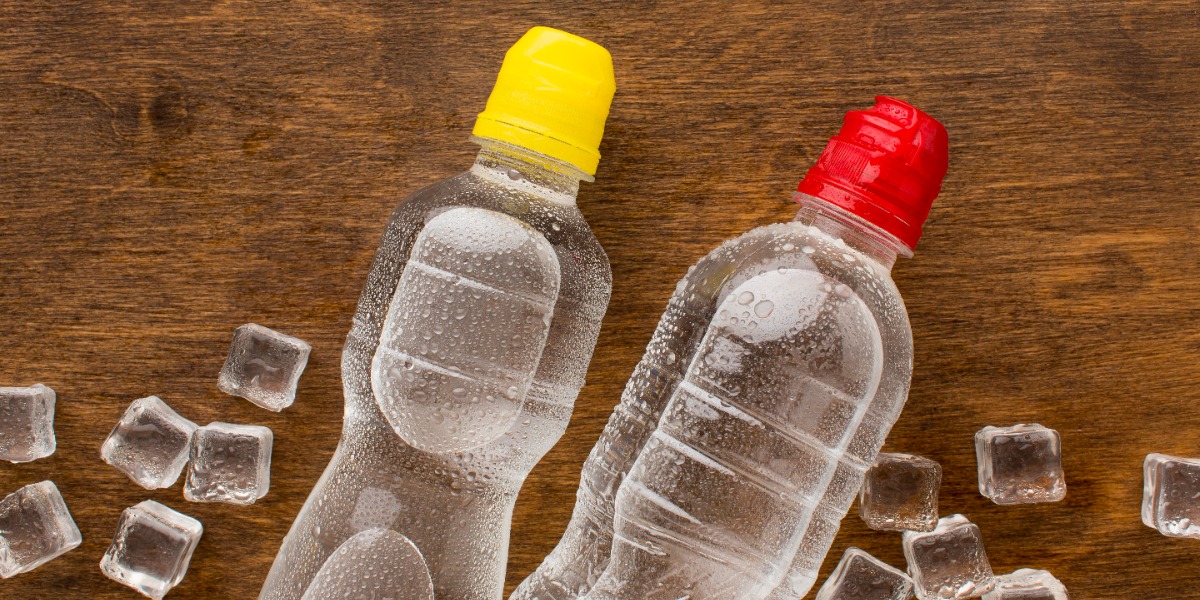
{"points": [[775, 374], [471, 339]]}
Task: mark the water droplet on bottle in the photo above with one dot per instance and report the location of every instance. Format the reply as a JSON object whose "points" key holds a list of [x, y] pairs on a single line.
{"points": [[514, 175], [763, 309], [746, 297]]}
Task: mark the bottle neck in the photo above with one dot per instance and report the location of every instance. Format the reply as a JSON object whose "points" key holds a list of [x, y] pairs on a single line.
{"points": [[856, 232], [530, 172]]}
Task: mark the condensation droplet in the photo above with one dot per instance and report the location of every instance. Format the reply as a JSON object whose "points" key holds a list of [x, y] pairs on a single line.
{"points": [[763, 309]]}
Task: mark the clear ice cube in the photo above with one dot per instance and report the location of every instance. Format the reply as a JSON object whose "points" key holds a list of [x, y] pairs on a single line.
{"points": [[860, 576], [26, 423], [230, 463], [35, 528], [151, 549], [263, 366], [1171, 495], [900, 493], [150, 443], [1021, 464], [948, 562], [1028, 584]]}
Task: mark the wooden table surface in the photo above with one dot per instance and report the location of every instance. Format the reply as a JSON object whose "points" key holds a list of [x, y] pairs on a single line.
{"points": [[171, 170]]}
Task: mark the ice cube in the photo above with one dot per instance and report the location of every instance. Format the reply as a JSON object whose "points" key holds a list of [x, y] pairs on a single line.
{"points": [[860, 576], [151, 549], [1171, 495], [948, 562], [35, 528], [900, 493], [263, 366], [150, 443], [1021, 464], [230, 463], [1027, 584], [26, 423]]}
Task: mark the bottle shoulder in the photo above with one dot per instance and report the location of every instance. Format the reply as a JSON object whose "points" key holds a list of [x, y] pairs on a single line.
{"points": [[559, 221], [797, 246]]}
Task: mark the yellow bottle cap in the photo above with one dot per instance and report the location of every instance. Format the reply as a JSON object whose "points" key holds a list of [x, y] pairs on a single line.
{"points": [[552, 97]]}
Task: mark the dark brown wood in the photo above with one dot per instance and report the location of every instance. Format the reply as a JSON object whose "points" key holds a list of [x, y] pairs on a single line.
{"points": [[171, 170]]}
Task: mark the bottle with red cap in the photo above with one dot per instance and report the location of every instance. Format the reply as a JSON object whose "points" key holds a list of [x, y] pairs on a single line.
{"points": [[774, 376]]}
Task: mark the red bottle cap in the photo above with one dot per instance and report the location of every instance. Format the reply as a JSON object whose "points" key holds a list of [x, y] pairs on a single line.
{"points": [[886, 165]]}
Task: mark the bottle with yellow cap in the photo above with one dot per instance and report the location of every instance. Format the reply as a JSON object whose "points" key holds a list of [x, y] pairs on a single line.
{"points": [[470, 343]]}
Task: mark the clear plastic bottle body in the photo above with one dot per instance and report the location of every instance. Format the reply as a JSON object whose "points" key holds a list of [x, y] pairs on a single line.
{"points": [[660, 456], [454, 504]]}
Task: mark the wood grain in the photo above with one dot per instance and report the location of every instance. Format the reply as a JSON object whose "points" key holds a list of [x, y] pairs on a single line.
{"points": [[170, 170]]}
